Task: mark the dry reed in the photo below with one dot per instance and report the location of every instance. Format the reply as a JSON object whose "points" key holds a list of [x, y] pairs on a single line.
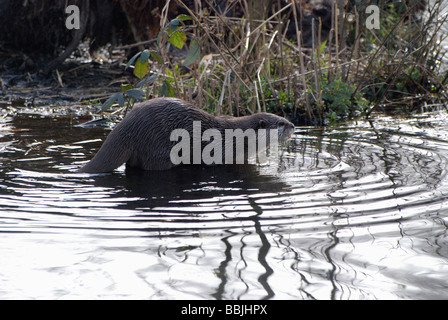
{"points": [[250, 63]]}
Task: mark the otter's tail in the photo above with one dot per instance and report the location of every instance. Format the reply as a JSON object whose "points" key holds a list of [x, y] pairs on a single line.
{"points": [[112, 154]]}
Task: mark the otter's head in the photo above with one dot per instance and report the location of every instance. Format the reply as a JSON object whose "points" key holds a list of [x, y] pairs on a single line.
{"points": [[271, 121]]}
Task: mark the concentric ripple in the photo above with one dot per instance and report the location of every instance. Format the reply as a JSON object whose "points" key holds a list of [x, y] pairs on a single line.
{"points": [[357, 211]]}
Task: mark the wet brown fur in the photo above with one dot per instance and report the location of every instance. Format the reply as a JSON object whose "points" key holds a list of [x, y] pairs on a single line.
{"points": [[142, 138]]}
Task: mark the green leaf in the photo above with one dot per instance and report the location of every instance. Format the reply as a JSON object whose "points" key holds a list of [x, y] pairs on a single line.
{"points": [[120, 100], [146, 80], [173, 24], [156, 56], [136, 94], [193, 54], [132, 60], [321, 49], [177, 38], [176, 22], [140, 70], [109, 102], [126, 87], [167, 90], [184, 17], [169, 75], [144, 56]]}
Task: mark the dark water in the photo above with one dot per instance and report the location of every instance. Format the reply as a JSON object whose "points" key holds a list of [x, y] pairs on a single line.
{"points": [[353, 212]]}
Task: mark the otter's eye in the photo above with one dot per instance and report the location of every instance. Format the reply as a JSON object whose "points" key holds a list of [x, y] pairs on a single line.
{"points": [[281, 124]]}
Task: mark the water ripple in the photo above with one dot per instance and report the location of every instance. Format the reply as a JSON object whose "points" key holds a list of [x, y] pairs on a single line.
{"points": [[354, 212]]}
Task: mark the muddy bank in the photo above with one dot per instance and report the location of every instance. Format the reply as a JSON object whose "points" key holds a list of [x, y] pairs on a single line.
{"points": [[76, 83]]}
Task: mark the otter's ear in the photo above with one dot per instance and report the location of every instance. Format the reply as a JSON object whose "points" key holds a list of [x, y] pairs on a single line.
{"points": [[261, 124]]}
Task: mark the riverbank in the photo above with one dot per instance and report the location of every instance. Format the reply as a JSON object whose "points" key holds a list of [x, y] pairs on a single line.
{"points": [[238, 65]]}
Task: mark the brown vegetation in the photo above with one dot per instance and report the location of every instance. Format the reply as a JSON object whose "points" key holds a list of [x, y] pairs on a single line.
{"points": [[314, 60]]}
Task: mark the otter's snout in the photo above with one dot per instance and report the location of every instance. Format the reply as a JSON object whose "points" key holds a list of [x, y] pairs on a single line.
{"points": [[286, 129]]}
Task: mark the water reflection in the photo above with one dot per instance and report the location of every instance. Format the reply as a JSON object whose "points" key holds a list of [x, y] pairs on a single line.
{"points": [[354, 212]]}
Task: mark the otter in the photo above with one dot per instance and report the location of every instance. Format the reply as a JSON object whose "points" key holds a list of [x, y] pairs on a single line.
{"points": [[143, 139]]}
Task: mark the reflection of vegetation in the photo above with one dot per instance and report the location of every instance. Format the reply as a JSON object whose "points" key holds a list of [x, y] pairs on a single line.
{"points": [[255, 67]]}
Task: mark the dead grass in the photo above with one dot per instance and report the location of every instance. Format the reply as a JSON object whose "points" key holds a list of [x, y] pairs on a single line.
{"points": [[250, 63]]}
